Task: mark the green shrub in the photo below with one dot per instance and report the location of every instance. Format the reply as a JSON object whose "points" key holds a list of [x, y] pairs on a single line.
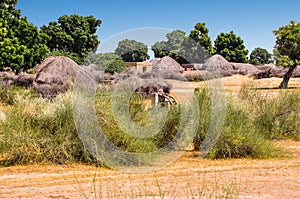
{"points": [[37, 130], [115, 66], [276, 117], [124, 137], [240, 136], [204, 103], [70, 55]]}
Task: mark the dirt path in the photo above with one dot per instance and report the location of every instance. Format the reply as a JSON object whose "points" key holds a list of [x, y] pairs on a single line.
{"points": [[189, 176]]}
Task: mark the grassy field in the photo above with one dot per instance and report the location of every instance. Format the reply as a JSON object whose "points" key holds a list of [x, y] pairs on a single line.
{"points": [[187, 177]]}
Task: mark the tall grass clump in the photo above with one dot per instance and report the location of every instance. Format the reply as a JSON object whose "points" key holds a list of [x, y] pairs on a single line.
{"points": [[38, 130], [9, 93], [276, 117], [240, 136], [154, 128]]}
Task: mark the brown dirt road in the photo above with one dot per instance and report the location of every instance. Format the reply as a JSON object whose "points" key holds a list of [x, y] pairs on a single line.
{"points": [[187, 177]]}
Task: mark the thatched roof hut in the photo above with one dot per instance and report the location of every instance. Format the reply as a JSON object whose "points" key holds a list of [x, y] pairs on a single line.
{"points": [[149, 87], [296, 72], [54, 75], [245, 69], [167, 68], [166, 64], [219, 65]]}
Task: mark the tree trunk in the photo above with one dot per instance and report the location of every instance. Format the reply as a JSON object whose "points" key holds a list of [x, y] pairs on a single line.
{"points": [[286, 78]]}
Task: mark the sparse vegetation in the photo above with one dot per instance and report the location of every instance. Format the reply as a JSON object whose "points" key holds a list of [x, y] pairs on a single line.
{"points": [[276, 117], [39, 130], [240, 137]]}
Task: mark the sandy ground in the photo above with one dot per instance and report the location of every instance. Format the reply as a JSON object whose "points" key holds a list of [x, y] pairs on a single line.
{"points": [[190, 176], [187, 177]]}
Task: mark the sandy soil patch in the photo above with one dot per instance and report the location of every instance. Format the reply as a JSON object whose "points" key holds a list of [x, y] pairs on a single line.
{"points": [[189, 176]]}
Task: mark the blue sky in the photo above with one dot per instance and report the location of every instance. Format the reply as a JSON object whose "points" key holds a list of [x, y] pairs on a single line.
{"points": [[252, 20]]}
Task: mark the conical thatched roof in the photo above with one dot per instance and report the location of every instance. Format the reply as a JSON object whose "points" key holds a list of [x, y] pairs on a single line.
{"points": [[166, 64], [219, 65], [167, 68], [54, 75], [148, 87]]}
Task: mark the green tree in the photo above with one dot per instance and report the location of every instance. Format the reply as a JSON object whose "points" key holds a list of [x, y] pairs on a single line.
{"points": [[174, 45], [102, 60], [260, 56], [231, 47], [160, 50], [174, 40], [132, 51], [171, 47], [11, 52], [22, 45], [198, 46], [288, 48], [73, 34], [115, 66]]}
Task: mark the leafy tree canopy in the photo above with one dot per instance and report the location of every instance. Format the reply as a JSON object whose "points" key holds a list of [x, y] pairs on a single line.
{"points": [[115, 66], [288, 49], [196, 47], [159, 48], [260, 56], [73, 34], [231, 47], [171, 47], [132, 51], [101, 60], [22, 45]]}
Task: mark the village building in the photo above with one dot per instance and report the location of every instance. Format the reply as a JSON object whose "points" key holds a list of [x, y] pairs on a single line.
{"points": [[141, 67]]}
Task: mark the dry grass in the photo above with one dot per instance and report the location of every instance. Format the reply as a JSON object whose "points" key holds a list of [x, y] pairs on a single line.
{"points": [[233, 84], [4, 108]]}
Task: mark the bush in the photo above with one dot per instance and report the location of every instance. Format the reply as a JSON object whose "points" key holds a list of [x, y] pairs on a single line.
{"points": [[204, 103], [276, 117], [115, 66], [70, 55], [240, 136], [37, 130], [160, 133]]}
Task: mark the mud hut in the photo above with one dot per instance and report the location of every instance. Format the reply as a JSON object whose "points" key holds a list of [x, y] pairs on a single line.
{"points": [[219, 66], [55, 75]]}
